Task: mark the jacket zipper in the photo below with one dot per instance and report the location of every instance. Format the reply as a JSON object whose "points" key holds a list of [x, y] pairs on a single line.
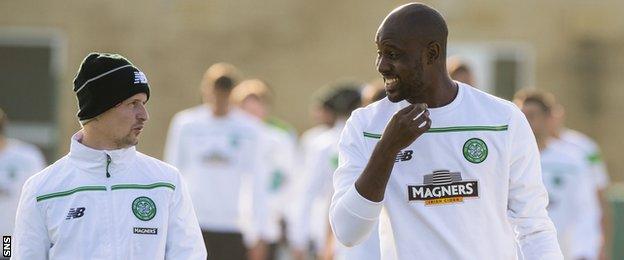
{"points": [[108, 161], [109, 202]]}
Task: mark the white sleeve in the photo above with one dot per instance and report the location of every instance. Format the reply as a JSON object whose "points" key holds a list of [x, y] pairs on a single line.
{"points": [[312, 186], [258, 171], [585, 241], [173, 142], [598, 168], [184, 238], [528, 198], [31, 239], [352, 217]]}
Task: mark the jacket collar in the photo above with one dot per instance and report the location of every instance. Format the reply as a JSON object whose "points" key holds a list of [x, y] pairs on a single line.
{"points": [[96, 161]]}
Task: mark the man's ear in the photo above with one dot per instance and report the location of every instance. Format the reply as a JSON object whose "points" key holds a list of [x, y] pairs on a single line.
{"points": [[433, 52]]}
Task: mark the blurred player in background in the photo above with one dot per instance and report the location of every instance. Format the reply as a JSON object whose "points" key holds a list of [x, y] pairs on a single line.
{"points": [[254, 97], [373, 91], [459, 70], [577, 140], [318, 189], [568, 177], [324, 118], [18, 161], [218, 149]]}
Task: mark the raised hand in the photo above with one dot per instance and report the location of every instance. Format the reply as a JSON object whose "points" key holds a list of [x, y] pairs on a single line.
{"points": [[406, 126]]}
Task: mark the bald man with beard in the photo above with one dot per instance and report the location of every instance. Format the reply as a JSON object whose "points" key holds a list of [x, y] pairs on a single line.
{"points": [[449, 171]]}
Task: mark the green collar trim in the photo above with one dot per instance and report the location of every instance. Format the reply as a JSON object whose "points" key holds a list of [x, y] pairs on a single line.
{"points": [[70, 192], [451, 129], [143, 186]]}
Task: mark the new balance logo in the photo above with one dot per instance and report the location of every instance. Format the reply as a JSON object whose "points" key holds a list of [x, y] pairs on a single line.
{"points": [[404, 156], [139, 78], [75, 213]]}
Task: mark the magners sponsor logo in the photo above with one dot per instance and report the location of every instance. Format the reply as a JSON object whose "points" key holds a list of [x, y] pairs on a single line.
{"points": [[145, 231], [443, 187]]}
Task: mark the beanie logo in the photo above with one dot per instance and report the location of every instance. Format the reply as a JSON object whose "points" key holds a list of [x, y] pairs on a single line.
{"points": [[139, 78]]}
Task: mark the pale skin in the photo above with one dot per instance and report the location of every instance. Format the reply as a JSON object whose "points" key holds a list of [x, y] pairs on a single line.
{"points": [[118, 127]]}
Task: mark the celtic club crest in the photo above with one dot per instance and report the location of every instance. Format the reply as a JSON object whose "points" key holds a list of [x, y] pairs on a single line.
{"points": [[475, 150], [144, 208]]}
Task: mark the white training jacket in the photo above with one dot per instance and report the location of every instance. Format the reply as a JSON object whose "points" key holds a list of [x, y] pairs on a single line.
{"points": [[223, 159], [280, 157], [318, 190], [466, 189], [589, 147], [72, 210], [573, 200], [18, 161]]}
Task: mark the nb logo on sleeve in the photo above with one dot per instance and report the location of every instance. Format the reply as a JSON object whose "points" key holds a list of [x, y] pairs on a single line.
{"points": [[404, 156], [75, 213]]}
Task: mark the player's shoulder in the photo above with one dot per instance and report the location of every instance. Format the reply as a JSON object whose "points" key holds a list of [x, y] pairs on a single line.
{"points": [[156, 164], [158, 170], [493, 109], [493, 104], [575, 137], [281, 125], [279, 135], [247, 122], [190, 114], [308, 138], [565, 153], [22, 149]]}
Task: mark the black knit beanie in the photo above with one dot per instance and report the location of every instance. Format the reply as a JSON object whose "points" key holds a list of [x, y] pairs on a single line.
{"points": [[103, 81]]}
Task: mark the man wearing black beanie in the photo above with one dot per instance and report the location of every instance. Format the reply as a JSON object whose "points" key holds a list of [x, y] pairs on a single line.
{"points": [[104, 199]]}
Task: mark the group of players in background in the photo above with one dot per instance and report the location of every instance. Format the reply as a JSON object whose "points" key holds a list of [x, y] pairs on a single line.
{"points": [[262, 192]]}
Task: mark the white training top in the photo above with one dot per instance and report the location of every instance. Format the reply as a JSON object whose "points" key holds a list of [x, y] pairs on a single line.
{"points": [[311, 227], [572, 200], [18, 161], [72, 210], [280, 156], [458, 192], [592, 155], [318, 190], [222, 159]]}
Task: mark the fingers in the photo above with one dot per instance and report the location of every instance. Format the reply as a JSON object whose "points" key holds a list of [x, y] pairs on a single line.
{"points": [[405, 110], [425, 125], [421, 121], [421, 113], [417, 111], [414, 117]]}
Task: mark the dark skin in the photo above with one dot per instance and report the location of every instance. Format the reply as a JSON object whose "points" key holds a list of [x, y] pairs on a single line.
{"points": [[411, 47]]}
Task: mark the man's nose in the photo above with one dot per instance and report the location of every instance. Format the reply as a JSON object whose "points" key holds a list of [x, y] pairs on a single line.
{"points": [[143, 115], [383, 66]]}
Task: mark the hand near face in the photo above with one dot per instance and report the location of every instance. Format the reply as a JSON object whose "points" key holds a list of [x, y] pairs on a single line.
{"points": [[406, 126]]}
